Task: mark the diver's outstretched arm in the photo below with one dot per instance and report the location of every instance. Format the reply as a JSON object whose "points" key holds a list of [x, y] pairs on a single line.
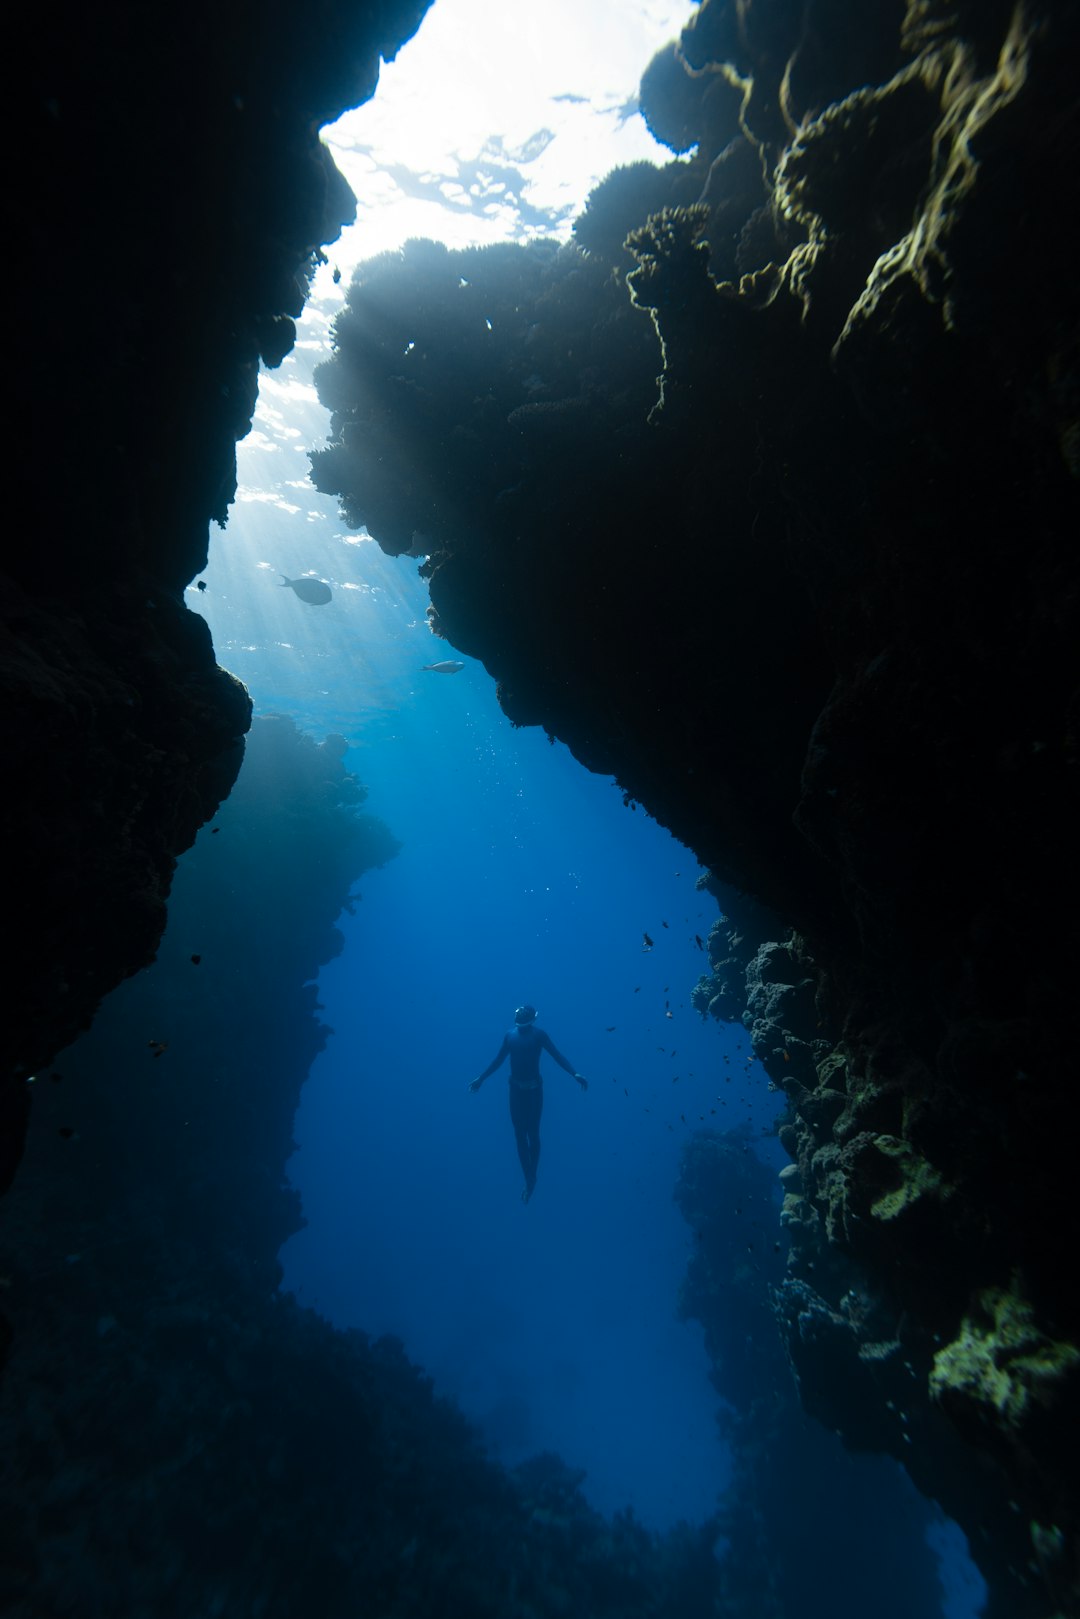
{"points": [[504, 1052], [549, 1047]]}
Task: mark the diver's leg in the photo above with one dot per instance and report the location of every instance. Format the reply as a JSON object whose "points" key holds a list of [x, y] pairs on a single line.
{"points": [[530, 1158], [519, 1117], [534, 1135]]}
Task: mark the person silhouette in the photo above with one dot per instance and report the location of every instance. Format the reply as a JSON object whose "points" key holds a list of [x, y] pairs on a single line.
{"points": [[523, 1044]]}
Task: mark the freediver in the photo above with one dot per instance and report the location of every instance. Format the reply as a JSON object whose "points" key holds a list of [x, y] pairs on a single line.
{"points": [[523, 1044]]}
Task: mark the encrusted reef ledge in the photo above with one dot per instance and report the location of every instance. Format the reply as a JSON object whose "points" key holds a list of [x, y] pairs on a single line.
{"points": [[883, 1219]]}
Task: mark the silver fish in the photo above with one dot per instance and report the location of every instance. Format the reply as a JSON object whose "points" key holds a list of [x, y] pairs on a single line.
{"points": [[450, 667]]}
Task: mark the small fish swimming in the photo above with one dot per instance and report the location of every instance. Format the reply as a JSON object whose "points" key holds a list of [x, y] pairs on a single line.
{"points": [[646, 942], [316, 592], [450, 666]]}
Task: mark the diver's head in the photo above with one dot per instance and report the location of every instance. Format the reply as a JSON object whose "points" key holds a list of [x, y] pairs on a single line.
{"points": [[525, 1014]]}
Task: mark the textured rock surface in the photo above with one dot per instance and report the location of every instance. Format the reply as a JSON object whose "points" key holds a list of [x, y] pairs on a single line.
{"points": [[172, 188], [793, 1549], [815, 607]]}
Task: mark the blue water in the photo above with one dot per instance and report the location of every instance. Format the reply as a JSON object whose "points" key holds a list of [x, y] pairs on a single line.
{"points": [[521, 877]]}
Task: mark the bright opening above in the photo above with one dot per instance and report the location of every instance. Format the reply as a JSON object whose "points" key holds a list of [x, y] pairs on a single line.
{"points": [[497, 119]]}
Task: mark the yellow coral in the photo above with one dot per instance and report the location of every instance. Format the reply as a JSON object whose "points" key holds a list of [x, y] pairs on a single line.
{"points": [[1002, 1360], [918, 1179]]}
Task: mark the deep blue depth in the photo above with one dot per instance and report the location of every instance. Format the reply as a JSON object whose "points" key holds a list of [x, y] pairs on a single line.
{"points": [[521, 877]]}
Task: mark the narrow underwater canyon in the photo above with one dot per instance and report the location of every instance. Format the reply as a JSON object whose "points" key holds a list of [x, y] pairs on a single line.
{"points": [[805, 584]]}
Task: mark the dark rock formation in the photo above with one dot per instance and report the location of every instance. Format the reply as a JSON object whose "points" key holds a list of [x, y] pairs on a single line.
{"points": [[815, 607], [172, 190], [175, 1437], [126, 735], [791, 1549]]}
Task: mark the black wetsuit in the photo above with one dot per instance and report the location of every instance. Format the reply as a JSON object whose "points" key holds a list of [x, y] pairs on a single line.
{"points": [[523, 1044]]}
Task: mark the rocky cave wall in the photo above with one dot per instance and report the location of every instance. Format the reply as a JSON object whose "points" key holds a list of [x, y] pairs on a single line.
{"points": [[170, 192], [806, 1526], [762, 496]]}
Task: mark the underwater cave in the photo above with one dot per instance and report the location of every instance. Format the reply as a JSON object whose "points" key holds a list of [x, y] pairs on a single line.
{"points": [[550, 541]]}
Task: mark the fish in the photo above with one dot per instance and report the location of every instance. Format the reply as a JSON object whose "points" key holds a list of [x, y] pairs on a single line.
{"points": [[316, 592], [449, 666], [646, 942]]}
